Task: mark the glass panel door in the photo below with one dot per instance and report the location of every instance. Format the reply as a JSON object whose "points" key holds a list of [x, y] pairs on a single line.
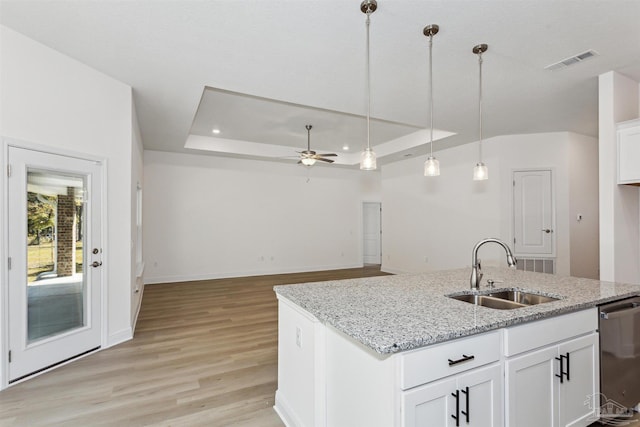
{"points": [[56, 289]]}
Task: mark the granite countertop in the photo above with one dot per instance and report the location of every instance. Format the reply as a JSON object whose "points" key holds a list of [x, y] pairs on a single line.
{"points": [[390, 314]]}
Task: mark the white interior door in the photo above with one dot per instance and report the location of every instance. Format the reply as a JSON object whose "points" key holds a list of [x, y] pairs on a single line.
{"points": [[533, 213], [55, 258], [372, 233]]}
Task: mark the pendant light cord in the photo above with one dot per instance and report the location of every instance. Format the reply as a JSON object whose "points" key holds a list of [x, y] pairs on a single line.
{"points": [[367, 22], [431, 92], [480, 105]]}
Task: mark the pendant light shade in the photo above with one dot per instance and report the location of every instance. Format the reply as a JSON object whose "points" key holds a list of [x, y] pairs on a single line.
{"points": [[368, 160], [480, 171], [431, 165], [368, 157]]}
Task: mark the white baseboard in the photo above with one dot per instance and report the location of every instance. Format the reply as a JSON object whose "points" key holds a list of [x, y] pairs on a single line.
{"points": [[119, 337], [285, 412], [135, 317], [228, 275]]}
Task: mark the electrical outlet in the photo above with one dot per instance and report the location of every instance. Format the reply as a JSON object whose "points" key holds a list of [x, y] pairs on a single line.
{"points": [[298, 337]]}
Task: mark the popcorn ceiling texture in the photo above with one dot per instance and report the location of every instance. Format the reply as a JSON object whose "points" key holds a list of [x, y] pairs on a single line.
{"points": [[396, 313]]}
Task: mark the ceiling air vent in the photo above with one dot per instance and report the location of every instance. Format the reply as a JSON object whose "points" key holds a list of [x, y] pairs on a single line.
{"points": [[572, 60]]}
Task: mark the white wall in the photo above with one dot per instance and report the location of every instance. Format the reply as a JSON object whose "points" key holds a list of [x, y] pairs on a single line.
{"points": [[618, 98], [437, 218], [211, 217], [49, 99], [583, 201], [441, 218]]}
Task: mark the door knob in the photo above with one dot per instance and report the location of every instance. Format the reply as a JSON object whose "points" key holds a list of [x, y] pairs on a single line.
{"points": [[547, 230], [96, 264]]}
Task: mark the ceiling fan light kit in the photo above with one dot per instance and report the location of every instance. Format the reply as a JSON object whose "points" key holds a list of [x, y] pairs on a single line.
{"points": [[308, 161], [368, 157], [309, 157]]}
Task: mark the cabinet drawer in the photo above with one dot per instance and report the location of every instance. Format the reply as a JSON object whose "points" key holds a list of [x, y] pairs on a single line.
{"points": [[438, 361], [529, 336]]}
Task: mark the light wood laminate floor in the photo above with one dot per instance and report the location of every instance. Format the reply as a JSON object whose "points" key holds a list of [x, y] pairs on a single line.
{"points": [[204, 354]]}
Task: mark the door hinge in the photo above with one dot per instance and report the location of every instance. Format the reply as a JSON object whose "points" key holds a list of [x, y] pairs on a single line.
{"points": [[514, 182], [9, 356], [9, 263], [8, 171], [514, 240]]}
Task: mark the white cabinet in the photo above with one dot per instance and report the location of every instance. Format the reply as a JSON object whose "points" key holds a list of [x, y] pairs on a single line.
{"points": [[432, 363], [473, 398], [629, 152], [456, 383], [531, 398], [578, 392], [554, 386], [508, 376]]}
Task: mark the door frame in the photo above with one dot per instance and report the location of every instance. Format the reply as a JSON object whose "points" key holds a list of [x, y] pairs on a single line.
{"points": [[362, 210], [4, 245], [553, 211]]}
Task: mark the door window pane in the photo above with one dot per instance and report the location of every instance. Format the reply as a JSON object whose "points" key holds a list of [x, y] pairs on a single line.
{"points": [[56, 288]]}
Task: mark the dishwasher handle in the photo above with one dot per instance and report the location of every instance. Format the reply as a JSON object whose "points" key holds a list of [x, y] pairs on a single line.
{"points": [[620, 310]]}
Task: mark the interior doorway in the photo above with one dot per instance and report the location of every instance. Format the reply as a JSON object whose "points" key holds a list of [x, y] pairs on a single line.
{"points": [[55, 253], [533, 213], [372, 232]]}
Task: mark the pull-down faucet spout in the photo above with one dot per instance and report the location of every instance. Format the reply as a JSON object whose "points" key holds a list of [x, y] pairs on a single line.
{"points": [[476, 271]]}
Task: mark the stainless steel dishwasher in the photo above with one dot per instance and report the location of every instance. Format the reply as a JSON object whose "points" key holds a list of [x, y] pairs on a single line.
{"points": [[620, 353]]}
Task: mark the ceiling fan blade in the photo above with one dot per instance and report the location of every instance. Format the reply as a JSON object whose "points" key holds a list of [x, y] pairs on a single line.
{"points": [[328, 155], [324, 160]]}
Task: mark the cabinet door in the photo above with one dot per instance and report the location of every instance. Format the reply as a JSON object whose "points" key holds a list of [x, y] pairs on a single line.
{"points": [[483, 398], [479, 401], [578, 394], [429, 405], [629, 152], [531, 398]]}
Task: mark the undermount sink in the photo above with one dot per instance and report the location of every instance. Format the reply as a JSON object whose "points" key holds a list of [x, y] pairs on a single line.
{"points": [[504, 300], [488, 301], [522, 297]]}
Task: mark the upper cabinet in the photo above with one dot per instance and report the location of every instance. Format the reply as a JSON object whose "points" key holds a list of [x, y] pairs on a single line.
{"points": [[629, 152]]}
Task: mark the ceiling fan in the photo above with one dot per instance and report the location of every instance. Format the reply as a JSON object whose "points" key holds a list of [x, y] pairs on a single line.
{"points": [[309, 157]]}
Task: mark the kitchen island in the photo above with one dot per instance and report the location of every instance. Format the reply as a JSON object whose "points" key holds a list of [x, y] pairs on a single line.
{"points": [[398, 351]]}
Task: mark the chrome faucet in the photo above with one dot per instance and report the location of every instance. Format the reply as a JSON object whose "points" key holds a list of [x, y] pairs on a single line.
{"points": [[476, 271]]}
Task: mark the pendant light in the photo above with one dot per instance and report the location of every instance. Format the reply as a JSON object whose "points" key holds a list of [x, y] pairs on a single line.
{"points": [[431, 165], [368, 157], [480, 171]]}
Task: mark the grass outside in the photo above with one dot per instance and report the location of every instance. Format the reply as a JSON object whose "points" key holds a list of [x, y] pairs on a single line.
{"points": [[40, 259]]}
